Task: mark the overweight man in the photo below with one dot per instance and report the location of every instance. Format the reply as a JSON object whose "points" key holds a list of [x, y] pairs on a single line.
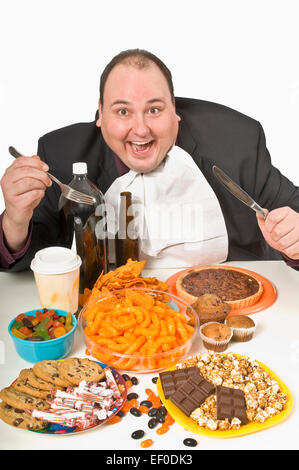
{"points": [[162, 149]]}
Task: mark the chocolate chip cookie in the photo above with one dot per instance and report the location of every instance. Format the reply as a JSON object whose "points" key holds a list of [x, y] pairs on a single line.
{"points": [[49, 372], [21, 400], [23, 386], [75, 370], [20, 419], [28, 376]]}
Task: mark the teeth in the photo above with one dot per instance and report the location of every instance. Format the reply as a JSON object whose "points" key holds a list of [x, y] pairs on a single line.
{"points": [[141, 143], [137, 146]]}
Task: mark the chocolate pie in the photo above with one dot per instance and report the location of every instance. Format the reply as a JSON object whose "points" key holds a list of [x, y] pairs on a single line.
{"points": [[232, 285]]}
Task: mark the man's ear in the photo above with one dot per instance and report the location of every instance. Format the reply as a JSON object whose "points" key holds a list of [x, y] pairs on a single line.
{"points": [[99, 120]]}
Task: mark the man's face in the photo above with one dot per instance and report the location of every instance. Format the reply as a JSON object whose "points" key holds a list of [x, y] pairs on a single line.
{"points": [[138, 118]]}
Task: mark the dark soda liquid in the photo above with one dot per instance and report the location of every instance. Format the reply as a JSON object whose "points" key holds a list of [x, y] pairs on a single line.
{"points": [[89, 226]]}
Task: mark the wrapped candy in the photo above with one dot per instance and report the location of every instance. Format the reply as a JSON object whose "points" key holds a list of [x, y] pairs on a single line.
{"points": [[85, 405], [111, 382]]}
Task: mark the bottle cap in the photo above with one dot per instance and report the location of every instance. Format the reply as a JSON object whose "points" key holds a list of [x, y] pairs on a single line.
{"points": [[79, 168], [55, 260]]}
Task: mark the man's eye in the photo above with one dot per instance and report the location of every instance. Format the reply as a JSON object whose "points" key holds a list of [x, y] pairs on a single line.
{"points": [[122, 112], [154, 110]]}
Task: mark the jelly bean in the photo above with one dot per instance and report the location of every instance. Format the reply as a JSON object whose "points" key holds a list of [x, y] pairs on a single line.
{"points": [[146, 443], [137, 434], [132, 395], [126, 377], [156, 402], [133, 403], [155, 380], [190, 442], [162, 411], [135, 381], [169, 420], [126, 407], [135, 412], [121, 414], [143, 409], [115, 419], [129, 383], [161, 419], [152, 423], [148, 391], [163, 429], [147, 403], [152, 412]]}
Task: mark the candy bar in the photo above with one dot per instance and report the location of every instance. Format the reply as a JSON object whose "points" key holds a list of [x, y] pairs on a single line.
{"points": [[173, 379], [192, 393], [230, 403]]}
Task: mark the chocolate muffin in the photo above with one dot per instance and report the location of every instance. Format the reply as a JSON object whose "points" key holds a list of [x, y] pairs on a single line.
{"points": [[243, 327], [215, 336], [210, 307]]}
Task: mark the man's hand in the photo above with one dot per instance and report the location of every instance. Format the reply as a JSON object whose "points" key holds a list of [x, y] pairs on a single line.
{"points": [[281, 230], [23, 185]]}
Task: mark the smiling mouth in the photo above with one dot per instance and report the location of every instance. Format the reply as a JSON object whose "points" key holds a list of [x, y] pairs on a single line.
{"points": [[141, 147]]}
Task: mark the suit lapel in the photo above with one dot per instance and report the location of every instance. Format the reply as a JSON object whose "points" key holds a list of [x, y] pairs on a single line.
{"points": [[106, 164], [186, 141]]}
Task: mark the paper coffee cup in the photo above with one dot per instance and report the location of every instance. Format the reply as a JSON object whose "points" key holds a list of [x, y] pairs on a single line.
{"points": [[56, 271]]}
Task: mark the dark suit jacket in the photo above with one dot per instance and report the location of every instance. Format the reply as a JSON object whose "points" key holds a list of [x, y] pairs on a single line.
{"points": [[211, 134]]}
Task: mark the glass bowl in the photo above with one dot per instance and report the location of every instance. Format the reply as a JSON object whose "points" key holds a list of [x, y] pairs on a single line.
{"points": [[92, 325]]}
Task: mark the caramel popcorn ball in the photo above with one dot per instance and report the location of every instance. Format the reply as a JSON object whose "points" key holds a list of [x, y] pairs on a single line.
{"points": [[263, 396]]}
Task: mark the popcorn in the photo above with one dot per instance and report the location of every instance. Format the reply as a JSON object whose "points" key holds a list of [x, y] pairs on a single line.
{"points": [[263, 396]]}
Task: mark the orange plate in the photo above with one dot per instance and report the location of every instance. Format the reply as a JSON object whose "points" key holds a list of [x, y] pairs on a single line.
{"points": [[267, 298]]}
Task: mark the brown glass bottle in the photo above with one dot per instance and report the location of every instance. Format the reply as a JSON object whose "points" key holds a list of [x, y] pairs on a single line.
{"points": [[126, 240], [88, 223]]}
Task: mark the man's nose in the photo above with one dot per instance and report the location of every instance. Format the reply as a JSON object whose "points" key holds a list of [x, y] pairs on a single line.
{"points": [[140, 126]]}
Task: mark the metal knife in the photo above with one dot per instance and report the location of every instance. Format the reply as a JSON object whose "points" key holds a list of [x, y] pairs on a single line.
{"points": [[238, 192]]}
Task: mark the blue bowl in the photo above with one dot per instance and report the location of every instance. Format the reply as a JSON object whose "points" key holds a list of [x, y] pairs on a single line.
{"points": [[52, 349]]}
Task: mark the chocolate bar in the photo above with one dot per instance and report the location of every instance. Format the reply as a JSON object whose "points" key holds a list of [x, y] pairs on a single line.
{"points": [[192, 393], [230, 403], [171, 380]]}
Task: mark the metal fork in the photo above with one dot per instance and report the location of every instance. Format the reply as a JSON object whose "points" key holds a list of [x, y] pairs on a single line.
{"points": [[67, 191]]}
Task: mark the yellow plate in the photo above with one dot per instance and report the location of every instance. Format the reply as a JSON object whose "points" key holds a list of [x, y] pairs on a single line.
{"points": [[249, 428]]}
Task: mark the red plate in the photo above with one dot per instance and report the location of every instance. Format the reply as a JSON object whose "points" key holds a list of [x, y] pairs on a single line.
{"points": [[267, 298]]}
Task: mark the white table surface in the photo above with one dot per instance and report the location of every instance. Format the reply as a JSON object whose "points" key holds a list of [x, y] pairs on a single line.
{"points": [[276, 344]]}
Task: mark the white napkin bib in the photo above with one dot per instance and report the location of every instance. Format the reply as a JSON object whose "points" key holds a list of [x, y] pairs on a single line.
{"points": [[178, 217]]}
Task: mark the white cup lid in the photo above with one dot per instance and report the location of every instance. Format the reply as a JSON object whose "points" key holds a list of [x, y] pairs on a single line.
{"points": [[79, 168], [55, 260]]}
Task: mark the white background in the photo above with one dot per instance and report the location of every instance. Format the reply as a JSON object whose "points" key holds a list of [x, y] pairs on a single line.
{"points": [[243, 54]]}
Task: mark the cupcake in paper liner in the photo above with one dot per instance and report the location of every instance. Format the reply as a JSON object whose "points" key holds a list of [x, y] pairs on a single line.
{"points": [[215, 336], [243, 327]]}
